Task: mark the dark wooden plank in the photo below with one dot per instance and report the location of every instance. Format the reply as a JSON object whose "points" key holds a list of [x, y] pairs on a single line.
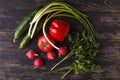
{"points": [[98, 5], [15, 66]]}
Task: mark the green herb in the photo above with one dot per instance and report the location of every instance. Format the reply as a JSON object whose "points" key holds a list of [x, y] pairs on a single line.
{"points": [[85, 52]]}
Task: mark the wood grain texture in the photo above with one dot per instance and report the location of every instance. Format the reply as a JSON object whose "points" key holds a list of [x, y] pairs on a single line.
{"points": [[104, 14]]}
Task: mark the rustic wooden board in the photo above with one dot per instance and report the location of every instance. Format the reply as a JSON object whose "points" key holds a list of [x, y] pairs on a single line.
{"points": [[105, 15]]}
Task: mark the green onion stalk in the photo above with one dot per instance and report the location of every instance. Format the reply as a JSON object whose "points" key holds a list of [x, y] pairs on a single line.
{"points": [[67, 9]]}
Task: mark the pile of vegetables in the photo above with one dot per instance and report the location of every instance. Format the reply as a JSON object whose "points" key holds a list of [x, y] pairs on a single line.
{"points": [[83, 46]]}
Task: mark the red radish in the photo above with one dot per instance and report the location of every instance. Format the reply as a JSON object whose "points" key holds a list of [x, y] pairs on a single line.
{"points": [[38, 62], [51, 55], [62, 50], [31, 54]]}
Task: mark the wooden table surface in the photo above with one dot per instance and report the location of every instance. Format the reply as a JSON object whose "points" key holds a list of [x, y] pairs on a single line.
{"points": [[104, 14]]}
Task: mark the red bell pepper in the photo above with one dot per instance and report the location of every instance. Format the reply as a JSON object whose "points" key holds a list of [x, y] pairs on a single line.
{"points": [[59, 29]]}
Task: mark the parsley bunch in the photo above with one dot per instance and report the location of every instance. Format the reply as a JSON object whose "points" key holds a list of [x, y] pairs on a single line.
{"points": [[85, 52]]}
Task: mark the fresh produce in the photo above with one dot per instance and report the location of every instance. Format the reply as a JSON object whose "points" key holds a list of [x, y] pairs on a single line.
{"points": [[83, 47], [24, 26], [44, 45], [62, 50], [55, 9], [51, 55], [84, 51], [59, 29], [38, 62], [27, 38], [31, 54]]}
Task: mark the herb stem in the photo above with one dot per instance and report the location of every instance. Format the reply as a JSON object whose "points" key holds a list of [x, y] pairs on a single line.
{"points": [[64, 68], [66, 73], [66, 57]]}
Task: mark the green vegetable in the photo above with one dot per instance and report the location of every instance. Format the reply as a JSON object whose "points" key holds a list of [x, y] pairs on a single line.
{"points": [[24, 26], [61, 9], [24, 41], [27, 38]]}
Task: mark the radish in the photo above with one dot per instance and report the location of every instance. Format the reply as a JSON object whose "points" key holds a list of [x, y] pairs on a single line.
{"points": [[62, 50], [51, 55], [38, 62], [31, 54]]}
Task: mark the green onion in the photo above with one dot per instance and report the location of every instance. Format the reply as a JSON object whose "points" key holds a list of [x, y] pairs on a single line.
{"points": [[65, 9]]}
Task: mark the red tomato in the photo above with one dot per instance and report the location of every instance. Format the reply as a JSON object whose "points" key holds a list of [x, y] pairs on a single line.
{"points": [[44, 45], [59, 29]]}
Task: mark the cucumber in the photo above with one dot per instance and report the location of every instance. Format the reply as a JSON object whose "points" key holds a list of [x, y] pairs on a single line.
{"points": [[27, 38], [25, 41], [24, 25]]}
